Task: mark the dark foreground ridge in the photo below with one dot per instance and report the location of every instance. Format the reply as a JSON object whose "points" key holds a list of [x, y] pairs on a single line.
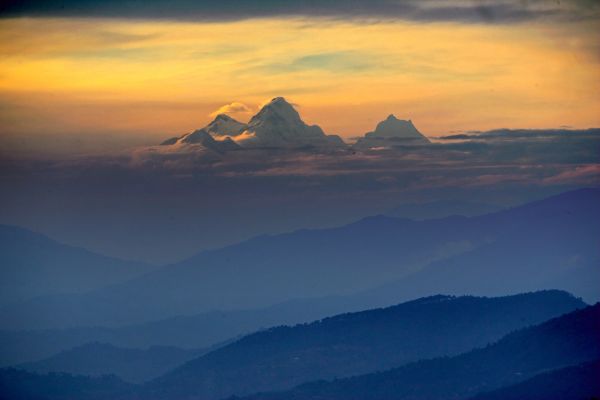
{"points": [[571, 339], [358, 343], [350, 344]]}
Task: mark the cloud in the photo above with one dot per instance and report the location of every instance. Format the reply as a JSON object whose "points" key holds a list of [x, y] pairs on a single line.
{"points": [[339, 61], [523, 158], [528, 158], [531, 145], [487, 11], [585, 174], [182, 188], [232, 108], [244, 136], [524, 134]]}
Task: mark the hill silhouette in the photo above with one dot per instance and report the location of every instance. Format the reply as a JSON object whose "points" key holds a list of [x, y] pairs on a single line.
{"points": [[571, 339], [357, 343], [395, 259]]}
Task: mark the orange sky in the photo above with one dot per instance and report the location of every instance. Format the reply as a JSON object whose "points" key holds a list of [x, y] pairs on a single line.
{"points": [[145, 80]]}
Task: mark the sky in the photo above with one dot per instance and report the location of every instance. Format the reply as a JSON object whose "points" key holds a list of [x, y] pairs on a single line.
{"points": [[91, 76], [507, 90]]}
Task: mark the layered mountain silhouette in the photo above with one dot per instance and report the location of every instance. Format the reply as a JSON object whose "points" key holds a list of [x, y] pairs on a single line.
{"points": [[578, 382], [495, 254], [342, 345], [190, 331], [18, 384], [514, 261], [569, 340], [442, 209], [352, 344], [35, 265], [97, 359], [276, 125]]}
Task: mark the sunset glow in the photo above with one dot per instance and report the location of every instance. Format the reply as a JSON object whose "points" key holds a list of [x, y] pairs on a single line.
{"points": [[154, 78]]}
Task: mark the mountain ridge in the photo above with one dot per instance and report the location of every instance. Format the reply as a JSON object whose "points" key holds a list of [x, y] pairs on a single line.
{"points": [[34, 265], [522, 311], [354, 343], [420, 258], [566, 340], [130, 364]]}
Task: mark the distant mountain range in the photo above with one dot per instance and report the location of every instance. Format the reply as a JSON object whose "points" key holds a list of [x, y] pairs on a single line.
{"points": [[34, 265], [353, 344], [569, 340], [441, 209], [579, 382], [189, 331], [546, 243], [132, 365], [138, 365], [278, 125], [378, 260], [557, 352], [17, 384]]}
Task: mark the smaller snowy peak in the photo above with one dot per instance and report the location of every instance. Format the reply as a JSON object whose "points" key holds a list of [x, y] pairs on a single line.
{"points": [[223, 117], [204, 140], [198, 136], [224, 125], [390, 132], [394, 127], [216, 137]]}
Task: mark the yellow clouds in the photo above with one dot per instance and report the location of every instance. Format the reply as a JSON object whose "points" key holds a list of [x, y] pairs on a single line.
{"points": [[234, 108], [344, 75], [244, 136]]}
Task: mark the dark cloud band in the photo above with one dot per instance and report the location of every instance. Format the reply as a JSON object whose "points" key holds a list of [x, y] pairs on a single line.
{"points": [[476, 11]]}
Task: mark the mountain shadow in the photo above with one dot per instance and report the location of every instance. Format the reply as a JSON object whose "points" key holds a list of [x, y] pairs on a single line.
{"points": [[17, 384], [35, 265], [131, 365], [578, 382], [568, 340], [494, 254], [357, 343]]}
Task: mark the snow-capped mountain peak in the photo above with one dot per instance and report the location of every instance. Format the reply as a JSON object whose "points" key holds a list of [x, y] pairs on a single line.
{"points": [[276, 125], [277, 110], [224, 125], [392, 132], [224, 117], [394, 127]]}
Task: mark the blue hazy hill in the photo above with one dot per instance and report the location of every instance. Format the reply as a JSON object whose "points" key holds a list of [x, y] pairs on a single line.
{"points": [[35, 265], [131, 365], [438, 324], [357, 343], [551, 243]]}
